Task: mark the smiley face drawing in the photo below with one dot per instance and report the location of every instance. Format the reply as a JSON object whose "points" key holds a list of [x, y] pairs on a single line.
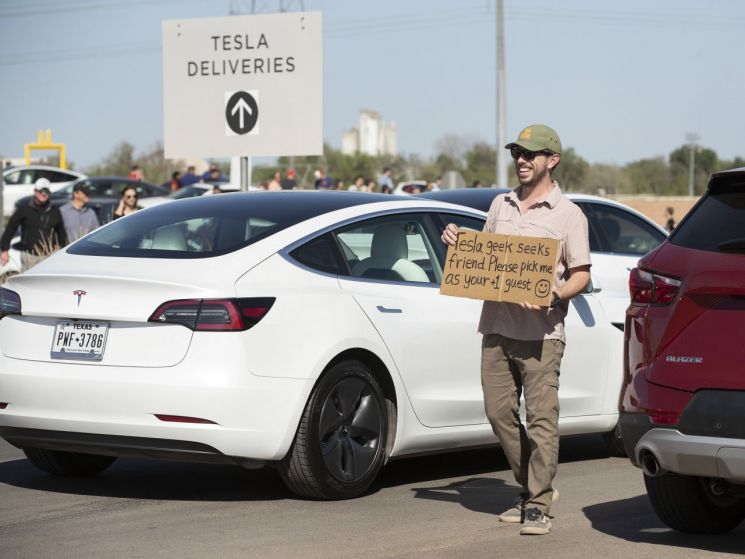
{"points": [[542, 288]]}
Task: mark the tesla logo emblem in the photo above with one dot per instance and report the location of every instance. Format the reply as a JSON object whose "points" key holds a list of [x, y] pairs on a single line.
{"points": [[79, 293]]}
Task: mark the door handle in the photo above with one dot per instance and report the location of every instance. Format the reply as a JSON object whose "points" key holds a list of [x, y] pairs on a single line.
{"points": [[381, 308]]}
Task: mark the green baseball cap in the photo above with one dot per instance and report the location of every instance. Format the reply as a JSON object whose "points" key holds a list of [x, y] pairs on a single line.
{"points": [[537, 137]]}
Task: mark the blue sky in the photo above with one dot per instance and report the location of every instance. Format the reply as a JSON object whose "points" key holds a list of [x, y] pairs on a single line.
{"points": [[620, 81]]}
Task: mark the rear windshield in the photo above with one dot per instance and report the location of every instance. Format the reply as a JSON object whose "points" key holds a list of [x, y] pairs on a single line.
{"points": [[716, 224], [209, 225]]}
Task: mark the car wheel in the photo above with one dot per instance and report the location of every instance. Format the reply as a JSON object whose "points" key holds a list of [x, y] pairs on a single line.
{"points": [[694, 504], [614, 441], [341, 440], [59, 463]]}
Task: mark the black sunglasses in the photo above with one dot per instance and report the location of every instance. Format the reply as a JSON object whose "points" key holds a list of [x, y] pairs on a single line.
{"points": [[527, 155]]}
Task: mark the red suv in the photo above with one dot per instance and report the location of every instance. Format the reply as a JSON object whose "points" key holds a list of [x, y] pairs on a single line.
{"points": [[683, 402]]}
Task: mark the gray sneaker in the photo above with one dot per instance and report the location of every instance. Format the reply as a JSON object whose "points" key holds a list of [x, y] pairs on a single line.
{"points": [[516, 512], [536, 523]]}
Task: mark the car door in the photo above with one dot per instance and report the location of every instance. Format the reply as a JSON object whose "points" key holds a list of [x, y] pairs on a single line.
{"points": [[394, 276]]}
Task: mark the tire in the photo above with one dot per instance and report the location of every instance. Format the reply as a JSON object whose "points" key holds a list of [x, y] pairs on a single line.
{"points": [[614, 441], [340, 443], [60, 463], [688, 504]]}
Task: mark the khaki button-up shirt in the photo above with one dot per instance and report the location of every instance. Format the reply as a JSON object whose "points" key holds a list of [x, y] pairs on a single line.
{"points": [[555, 217]]}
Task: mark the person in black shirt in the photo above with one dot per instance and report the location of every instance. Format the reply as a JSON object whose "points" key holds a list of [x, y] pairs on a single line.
{"points": [[42, 228]]}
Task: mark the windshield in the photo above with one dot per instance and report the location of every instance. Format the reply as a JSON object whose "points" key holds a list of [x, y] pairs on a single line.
{"points": [[211, 225], [183, 231]]}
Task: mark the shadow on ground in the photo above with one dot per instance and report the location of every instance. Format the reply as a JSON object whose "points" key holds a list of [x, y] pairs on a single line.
{"points": [[634, 520], [178, 481]]}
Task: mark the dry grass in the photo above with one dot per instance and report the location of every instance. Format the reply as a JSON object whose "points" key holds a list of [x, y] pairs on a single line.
{"points": [[47, 247]]}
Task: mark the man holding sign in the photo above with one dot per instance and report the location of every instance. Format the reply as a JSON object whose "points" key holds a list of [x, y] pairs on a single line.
{"points": [[523, 343]]}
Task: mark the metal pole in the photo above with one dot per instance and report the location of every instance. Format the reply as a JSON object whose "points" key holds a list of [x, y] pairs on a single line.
{"points": [[245, 173], [692, 139], [501, 160]]}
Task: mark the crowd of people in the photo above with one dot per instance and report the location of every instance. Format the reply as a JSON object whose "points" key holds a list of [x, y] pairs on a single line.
{"points": [[45, 227]]}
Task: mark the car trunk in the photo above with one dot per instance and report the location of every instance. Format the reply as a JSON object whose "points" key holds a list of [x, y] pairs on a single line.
{"points": [[701, 345], [118, 304]]}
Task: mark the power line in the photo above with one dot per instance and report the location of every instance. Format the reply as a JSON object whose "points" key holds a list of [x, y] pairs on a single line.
{"points": [[473, 15]]}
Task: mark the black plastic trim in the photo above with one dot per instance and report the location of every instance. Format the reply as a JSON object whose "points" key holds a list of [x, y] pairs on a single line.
{"points": [[633, 427], [715, 413], [114, 445]]}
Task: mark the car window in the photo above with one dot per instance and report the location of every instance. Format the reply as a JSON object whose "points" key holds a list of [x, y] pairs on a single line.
{"points": [[716, 224], [615, 230], [391, 248], [58, 176], [13, 177], [321, 254], [470, 223], [176, 234], [25, 176]]}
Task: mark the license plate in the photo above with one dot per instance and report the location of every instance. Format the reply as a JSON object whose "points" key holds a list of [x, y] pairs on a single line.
{"points": [[84, 340]]}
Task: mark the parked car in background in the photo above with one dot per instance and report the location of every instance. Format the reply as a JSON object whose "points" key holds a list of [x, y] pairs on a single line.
{"points": [[683, 401], [410, 187], [19, 182], [300, 329], [191, 191], [105, 191]]}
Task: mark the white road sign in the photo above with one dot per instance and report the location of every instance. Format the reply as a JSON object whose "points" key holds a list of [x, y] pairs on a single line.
{"points": [[243, 85]]}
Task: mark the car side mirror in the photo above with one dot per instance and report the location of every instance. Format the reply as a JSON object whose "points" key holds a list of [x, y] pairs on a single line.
{"points": [[593, 286]]}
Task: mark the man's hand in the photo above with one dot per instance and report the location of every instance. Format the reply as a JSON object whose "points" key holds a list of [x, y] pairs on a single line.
{"points": [[4, 257], [450, 234], [530, 306]]}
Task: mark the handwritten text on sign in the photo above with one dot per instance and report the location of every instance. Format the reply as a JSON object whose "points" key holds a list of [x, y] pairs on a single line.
{"points": [[501, 268]]}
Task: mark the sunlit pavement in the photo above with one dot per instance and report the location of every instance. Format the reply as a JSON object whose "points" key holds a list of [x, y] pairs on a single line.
{"points": [[438, 506]]}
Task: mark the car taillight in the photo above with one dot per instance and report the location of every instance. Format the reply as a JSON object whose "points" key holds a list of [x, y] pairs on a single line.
{"points": [[10, 302], [214, 314], [648, 288]]}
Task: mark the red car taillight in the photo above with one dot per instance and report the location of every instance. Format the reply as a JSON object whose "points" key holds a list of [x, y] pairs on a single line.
{"points": [[214, 314], [648, 288]]}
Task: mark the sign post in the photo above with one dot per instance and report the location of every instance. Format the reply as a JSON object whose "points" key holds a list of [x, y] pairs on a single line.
{"points": [[243, 86]]}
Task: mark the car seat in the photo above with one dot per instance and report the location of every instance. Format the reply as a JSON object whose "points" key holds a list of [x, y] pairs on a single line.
{"points": [[169, 238], [388, 259]]}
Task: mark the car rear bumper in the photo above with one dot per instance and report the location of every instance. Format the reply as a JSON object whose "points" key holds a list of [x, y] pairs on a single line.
{"points": [[114, 408], [693, 454]]}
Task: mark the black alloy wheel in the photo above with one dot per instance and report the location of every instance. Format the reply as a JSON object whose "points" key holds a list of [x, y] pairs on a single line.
{"points": [[341, 440]]}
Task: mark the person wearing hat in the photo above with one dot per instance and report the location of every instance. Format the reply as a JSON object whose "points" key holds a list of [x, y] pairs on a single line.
{"points": [[79, 219], [289, 182], [42, 229], [523, 343]]}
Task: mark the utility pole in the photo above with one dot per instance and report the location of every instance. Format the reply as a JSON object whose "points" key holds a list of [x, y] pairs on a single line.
{"points": [[692, 138], [501, 176]]}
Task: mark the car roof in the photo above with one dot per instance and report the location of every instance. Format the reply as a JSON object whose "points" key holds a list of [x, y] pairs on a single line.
{"points": [[304, 203], [43, 168]]}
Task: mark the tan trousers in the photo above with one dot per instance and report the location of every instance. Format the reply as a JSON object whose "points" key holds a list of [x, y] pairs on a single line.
{"points": [[510, 368]]}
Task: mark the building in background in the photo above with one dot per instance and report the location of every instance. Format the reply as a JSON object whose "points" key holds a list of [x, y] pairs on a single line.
{"points": [[372, 136]]}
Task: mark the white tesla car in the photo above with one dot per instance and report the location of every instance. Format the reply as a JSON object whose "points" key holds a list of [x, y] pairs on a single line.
{"points": [[303, 330]]}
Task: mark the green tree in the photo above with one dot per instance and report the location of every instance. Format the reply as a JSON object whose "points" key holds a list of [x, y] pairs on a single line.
{"points": [[648, 176], [570, 174], [481, 164]]}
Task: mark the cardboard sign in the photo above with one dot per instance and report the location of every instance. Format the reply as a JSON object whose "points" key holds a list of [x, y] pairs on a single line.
{"points": [[496, 267]]}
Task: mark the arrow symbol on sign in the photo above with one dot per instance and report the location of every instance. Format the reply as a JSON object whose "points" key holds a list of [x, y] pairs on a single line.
{"points": [[241, 106]]}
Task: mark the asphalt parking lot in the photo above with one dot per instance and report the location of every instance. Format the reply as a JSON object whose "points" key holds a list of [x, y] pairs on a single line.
{"points": [[435, 507]]}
